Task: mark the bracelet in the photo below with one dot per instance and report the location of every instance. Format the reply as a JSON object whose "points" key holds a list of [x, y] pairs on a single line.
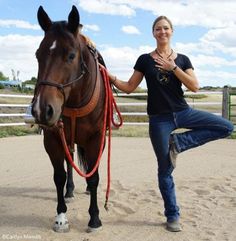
{"points": [[174, 68]]}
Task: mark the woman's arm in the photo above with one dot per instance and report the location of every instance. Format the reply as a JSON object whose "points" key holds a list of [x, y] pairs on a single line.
{"points": [[188, 78], [127, 86]]}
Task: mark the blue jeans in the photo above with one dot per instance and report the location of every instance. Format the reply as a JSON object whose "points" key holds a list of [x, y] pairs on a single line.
{"points": [[203, 127]]}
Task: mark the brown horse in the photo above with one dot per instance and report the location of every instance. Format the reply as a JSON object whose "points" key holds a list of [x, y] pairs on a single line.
{"points": [[69, 83]]}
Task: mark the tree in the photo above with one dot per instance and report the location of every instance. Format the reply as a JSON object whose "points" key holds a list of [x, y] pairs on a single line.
{"points": [[3, 77], [32, 81]]}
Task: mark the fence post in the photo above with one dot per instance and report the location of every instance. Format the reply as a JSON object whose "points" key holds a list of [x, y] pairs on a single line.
{"points": [[225, 102]]}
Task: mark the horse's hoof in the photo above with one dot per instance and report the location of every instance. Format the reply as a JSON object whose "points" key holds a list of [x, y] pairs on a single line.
{"points": [[69, 199], [94, 225], [91, 230], [69, 194], [61, 224]]}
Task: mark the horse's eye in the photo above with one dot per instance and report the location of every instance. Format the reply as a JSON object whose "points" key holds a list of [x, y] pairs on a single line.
{"points": [[71, 57]]}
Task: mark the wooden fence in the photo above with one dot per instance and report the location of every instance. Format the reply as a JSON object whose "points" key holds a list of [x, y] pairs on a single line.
{"points": [[131, 106]]}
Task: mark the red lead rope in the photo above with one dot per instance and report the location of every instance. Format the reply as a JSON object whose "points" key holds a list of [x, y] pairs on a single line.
{"points": [[110, 104]]}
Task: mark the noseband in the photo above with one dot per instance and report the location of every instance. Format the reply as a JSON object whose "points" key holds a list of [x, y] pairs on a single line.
{"points": [[61, 87]]}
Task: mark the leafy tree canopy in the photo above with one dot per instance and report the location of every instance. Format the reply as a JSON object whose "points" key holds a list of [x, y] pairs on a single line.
{"points": [[3, 77], [32, 81]]}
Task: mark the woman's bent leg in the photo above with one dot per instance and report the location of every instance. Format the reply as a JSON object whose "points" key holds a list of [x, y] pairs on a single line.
{"points": [[204, 127]]}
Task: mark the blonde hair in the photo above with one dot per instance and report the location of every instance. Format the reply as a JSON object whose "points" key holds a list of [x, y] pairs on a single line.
{"points": [[159, 19]]}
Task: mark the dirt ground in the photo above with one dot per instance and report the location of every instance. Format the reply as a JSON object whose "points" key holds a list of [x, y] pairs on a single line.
{"points": [[205, 180]]}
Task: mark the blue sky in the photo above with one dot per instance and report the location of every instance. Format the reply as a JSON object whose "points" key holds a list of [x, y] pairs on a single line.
{"points": [[204, 30]]}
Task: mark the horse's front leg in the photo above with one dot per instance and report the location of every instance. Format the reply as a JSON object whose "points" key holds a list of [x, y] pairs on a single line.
{"points": [[70, 182], [94, 222], [61, 223], [52, 143]]}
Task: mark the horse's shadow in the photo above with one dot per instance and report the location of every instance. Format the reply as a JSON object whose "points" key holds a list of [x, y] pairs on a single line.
{"points": [[17, 206], [28, 192], [23, 221]]}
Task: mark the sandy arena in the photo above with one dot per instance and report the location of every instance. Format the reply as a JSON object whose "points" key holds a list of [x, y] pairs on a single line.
{"points": [[205, 180]]}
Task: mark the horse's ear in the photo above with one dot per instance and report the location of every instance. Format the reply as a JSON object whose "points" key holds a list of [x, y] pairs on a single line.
{"points": [[73, 20], [43, 19]]}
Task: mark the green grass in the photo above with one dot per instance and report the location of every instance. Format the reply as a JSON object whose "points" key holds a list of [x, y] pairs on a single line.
{"points": [[233, 136], [17, 131], [131, 131]]}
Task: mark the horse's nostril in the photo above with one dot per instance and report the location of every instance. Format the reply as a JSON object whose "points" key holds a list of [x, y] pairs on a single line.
{"points": [[49, 112]]}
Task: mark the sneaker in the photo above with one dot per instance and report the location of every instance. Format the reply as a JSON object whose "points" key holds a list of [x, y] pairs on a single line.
{"points": [[173, 153], [173, 226]]}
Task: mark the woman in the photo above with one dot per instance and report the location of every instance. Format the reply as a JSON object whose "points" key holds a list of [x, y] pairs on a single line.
{"points": [[165, 72]]}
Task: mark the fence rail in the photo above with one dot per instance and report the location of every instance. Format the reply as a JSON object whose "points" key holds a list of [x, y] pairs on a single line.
{"points": [[192, 103]]}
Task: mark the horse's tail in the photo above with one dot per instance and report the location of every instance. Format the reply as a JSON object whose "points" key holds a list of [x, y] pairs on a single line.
{"points": [[81, 159]]}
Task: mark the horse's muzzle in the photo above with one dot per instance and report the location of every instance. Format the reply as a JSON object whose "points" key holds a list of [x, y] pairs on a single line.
{"points": [[45, 114]]}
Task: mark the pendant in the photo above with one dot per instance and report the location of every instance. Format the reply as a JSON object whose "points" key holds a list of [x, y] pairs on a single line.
{"points": [[163, 76]]}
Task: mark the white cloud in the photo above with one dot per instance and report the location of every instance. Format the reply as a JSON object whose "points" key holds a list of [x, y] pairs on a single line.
{"points": [[106, 7], [224, 35], [92, 27], [18, 24], [211, 62], [18, 53], [120, 61], [201, 60], [129, 29], [204, 13], [215, 78], [202, 47], [216, 41]]}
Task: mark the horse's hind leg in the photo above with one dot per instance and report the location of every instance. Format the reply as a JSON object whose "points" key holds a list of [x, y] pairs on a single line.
{"points": [[94, 222]]}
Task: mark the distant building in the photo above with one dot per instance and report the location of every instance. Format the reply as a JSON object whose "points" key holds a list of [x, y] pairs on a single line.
{"points": [[11, 83]]}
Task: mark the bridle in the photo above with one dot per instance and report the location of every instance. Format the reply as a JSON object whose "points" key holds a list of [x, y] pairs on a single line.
{"points": [[61, 87]]}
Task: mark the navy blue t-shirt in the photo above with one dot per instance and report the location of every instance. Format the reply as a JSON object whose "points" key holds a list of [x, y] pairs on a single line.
{"points": [[165, 94]]}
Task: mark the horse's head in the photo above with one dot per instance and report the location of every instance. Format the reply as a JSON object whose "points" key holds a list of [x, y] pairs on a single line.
{"points": [[59, 66]]}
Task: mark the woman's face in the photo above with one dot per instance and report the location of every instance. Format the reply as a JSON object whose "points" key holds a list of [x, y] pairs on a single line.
{"points": [[162, 31]]}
